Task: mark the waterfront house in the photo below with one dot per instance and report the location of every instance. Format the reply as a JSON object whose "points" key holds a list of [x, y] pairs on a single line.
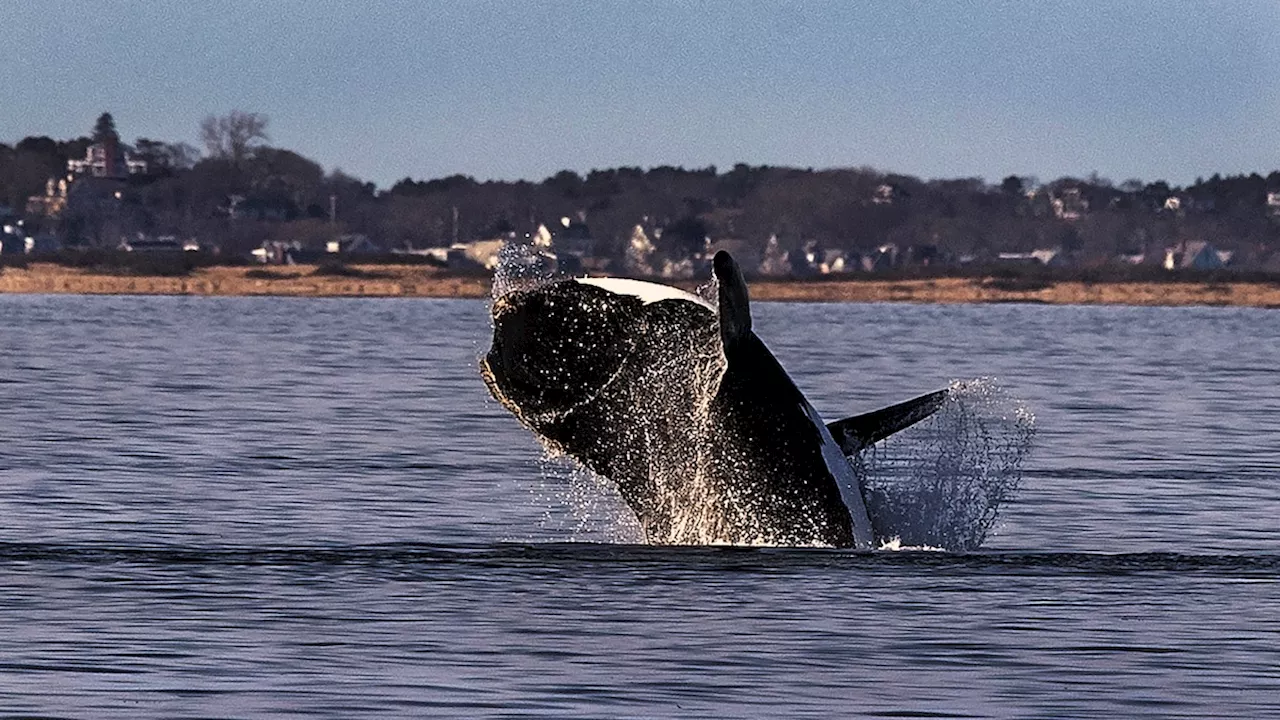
{"points": [[884, 257], [1131, 256], [639, 257], [476, 255], [147, 243], [12, 241], [353, 244], [773, 261], [10, 225], [45, 242], [1048, 257], [1195, 255]]}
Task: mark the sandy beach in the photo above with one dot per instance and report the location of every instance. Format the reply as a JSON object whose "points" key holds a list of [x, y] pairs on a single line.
{"points": [[422, 281]]}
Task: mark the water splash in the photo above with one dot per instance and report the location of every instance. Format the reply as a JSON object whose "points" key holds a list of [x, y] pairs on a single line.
{"points": [[582, 506], [522, 266], [710, 291], [940, 483]]}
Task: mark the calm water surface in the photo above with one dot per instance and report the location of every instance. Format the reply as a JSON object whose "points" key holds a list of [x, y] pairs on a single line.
{"points": [[234, 507]]}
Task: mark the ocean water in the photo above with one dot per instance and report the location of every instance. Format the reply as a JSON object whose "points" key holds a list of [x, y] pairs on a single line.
{"points": [[241, 508]]}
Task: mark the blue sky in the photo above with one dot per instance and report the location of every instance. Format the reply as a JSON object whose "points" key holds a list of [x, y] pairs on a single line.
{"points": [[506, 90]]}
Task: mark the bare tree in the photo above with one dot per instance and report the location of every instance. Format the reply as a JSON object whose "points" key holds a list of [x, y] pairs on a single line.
{"points": [[233, 136]]}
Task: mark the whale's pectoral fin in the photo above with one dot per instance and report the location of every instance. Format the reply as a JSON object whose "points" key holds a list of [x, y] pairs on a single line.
{"points": [[860, 431], [735, 308]]}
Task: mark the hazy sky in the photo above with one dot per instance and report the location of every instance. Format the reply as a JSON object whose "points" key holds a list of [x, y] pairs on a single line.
{"points": [[509, 89]]}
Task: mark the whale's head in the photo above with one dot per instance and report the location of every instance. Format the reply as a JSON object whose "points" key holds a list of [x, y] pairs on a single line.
{"points": [[555, 347]]}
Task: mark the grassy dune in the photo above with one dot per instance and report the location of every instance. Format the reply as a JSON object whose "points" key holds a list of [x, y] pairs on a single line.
{"points": [[423, 281]]}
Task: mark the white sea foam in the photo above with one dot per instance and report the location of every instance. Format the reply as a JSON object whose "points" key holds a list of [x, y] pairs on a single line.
{"points": [[895, 545]]}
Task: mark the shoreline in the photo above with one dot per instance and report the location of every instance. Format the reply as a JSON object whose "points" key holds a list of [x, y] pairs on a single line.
{"points": [[425, 281]]}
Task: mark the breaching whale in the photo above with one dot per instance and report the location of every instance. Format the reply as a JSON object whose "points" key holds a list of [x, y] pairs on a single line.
{"points": [[678, 403]]}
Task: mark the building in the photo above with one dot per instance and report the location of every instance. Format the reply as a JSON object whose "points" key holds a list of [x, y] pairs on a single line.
{"points": [[353, 244], [1048, 257], [1131, 256], [10, 224], [146, 243], [1273, 203], [884, 257], [1069, 204], [773, 261], [640, 250], [574, 238], [107, 159], [484, 254], [11, 235], [885, 194], [52, 202], [1196, 255]]}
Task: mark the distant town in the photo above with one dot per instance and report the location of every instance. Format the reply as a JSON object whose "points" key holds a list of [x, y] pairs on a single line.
{"points": [[239, 200]]}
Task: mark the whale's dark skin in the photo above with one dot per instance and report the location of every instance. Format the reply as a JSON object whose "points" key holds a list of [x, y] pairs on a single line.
{"points": [[685, 410]]}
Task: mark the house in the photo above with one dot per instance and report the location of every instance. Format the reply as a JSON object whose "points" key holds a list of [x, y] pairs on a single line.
{"points": [[146, 243], [1273, 203], [353, 244], [1132, 256], [52, 202], [109, 158], [773, 261], [815, 260], [480, 254], [884, 257], [541, 238], [834, 261], [804, 261], [746, 253], [276, 252], [572, 245], [574, 238], [569, 250], [923, 255], [1048, 257], [1069, 204], [884, 194], [41, 243], [639, 258], [12, 241], [677, 269], [1195, 255], [437, 256], [10, 225], [1271, 263]]}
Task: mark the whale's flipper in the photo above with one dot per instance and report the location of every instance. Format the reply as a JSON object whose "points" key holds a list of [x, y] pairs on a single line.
{"points": [[860, 431], [735, 308]]}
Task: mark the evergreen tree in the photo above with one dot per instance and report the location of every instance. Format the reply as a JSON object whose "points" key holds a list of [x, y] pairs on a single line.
{"points": [[105, 128]]}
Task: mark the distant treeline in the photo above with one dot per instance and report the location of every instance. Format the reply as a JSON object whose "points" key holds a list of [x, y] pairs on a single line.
{"points": [[239, 192]]}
